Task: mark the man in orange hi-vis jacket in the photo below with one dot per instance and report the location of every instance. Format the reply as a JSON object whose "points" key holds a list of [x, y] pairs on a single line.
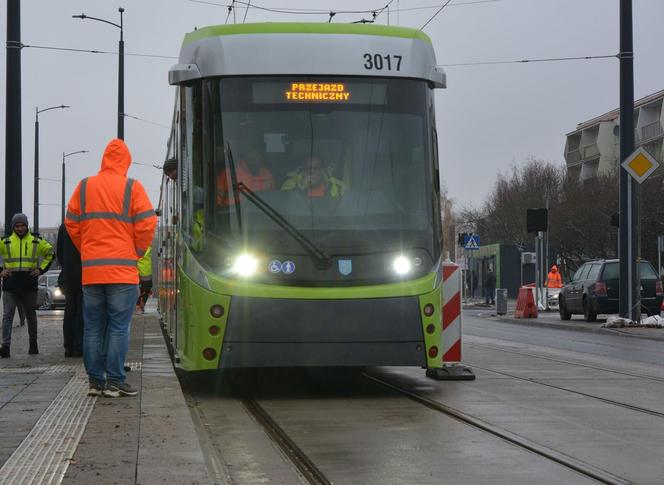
{"points": [[554, 280], [111, 222]]}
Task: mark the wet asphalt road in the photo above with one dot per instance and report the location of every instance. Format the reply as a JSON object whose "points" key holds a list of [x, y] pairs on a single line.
{"points": [[611, 346], [596, 399]]}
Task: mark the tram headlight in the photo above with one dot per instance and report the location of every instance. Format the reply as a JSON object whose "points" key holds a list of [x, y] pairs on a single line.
{"points": [[245, 265], [402, 265]]}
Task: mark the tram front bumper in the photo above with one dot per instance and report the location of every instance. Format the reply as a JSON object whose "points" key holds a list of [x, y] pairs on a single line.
{"points": [[263, 332]]}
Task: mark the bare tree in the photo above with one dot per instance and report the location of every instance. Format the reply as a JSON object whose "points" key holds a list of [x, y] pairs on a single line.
{"points": [[579, 212]]}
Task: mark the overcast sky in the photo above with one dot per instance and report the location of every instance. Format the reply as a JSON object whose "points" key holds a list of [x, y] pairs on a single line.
{"points": [[489, 117]]}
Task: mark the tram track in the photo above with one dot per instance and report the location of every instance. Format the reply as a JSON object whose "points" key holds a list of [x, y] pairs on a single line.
{"points": [[307, 469], [583, 468], [568, 362], [612, 402]]}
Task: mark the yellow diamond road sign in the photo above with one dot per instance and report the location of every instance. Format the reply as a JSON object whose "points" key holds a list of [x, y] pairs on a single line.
{"points": [[640, 164]]}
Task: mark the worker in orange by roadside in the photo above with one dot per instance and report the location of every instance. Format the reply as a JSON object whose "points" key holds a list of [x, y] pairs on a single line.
{"points": [[554, 280]]}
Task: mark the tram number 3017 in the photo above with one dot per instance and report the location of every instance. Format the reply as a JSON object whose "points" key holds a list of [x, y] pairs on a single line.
{"points": [[379, 62]]}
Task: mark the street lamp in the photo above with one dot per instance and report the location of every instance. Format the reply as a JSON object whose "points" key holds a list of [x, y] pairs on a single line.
{"points": [[64, 156], [120, 67], [35, 219]]}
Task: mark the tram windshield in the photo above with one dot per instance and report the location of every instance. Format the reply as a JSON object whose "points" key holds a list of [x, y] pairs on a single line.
{"points": [[347, 162]]}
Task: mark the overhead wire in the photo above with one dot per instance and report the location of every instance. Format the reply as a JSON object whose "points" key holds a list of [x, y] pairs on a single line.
{"points": [[246, 10], [145, 121], [287, 10], [18, 45], [431, 7], [436, 14], [230, 9], [523, 61]]}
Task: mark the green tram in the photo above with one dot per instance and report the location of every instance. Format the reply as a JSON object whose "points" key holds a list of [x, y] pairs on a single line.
{"points": [[303, 225]]}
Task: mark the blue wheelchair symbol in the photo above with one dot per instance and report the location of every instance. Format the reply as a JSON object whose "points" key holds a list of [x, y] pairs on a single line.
{"points": [[274, 266]]}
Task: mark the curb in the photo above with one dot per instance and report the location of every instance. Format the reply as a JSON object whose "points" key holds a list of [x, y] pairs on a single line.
{"points": [[576, 327]]}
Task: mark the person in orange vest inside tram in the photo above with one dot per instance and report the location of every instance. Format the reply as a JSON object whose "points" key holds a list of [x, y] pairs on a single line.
{"points": [[554, 280], [251, 171]]}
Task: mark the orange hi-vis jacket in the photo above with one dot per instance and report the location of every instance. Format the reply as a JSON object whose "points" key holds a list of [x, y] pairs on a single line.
{"points": [[554, 280], [110, 220]]}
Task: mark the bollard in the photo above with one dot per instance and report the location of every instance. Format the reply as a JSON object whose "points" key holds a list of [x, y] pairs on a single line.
{"points": [[501, 301], [452, 369]]}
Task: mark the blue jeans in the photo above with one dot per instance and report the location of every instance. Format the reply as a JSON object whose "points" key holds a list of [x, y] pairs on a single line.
{"points": [[489, 294], [107, 312]]}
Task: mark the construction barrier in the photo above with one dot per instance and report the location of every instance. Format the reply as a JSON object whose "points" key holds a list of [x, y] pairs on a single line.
{"points": [[525, 303], [451, 322]]}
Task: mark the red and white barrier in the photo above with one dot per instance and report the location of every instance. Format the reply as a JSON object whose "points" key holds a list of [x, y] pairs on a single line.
{"points": [[451, 297], [452, 369]]}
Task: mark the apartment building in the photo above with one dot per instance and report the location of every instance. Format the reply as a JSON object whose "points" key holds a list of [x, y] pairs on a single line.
{"points": [[594, 147]]}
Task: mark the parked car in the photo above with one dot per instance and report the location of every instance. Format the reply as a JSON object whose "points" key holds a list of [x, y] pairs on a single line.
{"points": [[49, 294], [594, 289]]}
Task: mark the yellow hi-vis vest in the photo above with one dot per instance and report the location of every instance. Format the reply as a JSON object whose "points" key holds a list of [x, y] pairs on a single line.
{"points": [[23, 254], [145, 266], [336, 187]]}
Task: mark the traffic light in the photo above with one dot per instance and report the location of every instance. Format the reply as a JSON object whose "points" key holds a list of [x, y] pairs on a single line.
{"points": [[537, 220]]}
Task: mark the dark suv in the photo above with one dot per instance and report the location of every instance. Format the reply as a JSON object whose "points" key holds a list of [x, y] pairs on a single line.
{"points": [[594, 289]]}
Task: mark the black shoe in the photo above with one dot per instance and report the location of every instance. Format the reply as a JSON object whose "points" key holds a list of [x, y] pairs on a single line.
{"points": [[96, 388], [114, 389], [33, 348], [4, 351]]}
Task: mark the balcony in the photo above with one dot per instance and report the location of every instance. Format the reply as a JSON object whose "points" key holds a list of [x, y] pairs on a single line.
{"points": [[650, 131], [573, 156], [590, 151]]}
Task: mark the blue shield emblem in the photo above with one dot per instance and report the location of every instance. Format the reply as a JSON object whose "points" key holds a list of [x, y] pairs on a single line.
{"points": [[345, 266]]}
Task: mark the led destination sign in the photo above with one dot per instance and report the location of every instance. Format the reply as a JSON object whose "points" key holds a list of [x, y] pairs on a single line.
{"points": [[322, 92], [293, 92]]}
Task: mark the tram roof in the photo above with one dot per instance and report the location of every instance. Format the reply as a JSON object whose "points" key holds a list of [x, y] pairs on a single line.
{"points": [[281, 48], [306, 28]]}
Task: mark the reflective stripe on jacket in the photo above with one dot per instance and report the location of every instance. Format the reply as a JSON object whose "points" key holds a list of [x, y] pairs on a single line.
{"points": [[21, 256], [110, 220], [331, 186]]}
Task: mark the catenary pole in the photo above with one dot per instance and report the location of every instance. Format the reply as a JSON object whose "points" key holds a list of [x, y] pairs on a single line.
{"points": [[35, 218], [628, 240], [13, 161]]}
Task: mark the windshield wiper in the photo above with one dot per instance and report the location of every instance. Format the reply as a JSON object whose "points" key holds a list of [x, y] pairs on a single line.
{"points": [[321, 258]]}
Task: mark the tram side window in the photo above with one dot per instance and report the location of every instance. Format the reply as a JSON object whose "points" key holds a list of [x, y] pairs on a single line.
{"points": [[192, 165]]}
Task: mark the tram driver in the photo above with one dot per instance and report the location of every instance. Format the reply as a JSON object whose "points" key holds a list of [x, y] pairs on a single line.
{"points": [[314, 179], [251, 171]]}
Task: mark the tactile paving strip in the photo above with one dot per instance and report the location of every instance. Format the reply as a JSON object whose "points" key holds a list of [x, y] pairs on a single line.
{"points": [[44, 455]]}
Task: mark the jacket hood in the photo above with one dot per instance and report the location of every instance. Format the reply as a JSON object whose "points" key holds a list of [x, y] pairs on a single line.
{"points": [[554, 269], [116, 158]]}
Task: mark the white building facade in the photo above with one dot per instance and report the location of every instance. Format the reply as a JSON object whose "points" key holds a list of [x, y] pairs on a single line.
{"points": [[594, 147]]}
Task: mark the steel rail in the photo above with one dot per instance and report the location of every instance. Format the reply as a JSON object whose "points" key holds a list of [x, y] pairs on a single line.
{"points": [[562, 361], [309, 471], [572, 463], [572, 391]]}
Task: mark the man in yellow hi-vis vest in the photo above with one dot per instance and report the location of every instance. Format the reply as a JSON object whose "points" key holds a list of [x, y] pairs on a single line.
{"points": [[145, 280], [21, 252]]}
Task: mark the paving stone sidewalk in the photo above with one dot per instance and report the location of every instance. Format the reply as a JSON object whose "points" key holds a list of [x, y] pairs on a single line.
{"points": [[52, 432]]}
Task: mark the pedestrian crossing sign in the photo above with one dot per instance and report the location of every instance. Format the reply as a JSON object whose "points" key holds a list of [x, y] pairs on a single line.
{"points": [[471, 242]]}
